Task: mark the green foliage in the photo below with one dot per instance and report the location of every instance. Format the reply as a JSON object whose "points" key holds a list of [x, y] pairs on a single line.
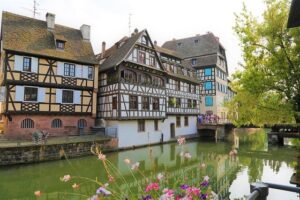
{"points": [[268, 87]]}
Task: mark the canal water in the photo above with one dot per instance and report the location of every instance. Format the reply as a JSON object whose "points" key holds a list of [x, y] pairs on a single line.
{"points": [[229, 176]]}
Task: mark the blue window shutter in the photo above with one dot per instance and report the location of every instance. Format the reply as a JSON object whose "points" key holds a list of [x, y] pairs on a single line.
{"points": [[58, 96], [60, 68], [85, 72], [41, 94], [208, 72], [19, 93], [78, 72], [77, 96], [34, 64], [18, 63], [209, 101], [208, 85]]}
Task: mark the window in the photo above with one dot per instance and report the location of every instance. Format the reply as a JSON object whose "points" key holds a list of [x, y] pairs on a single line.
{"points": [[207, 72], [133, 102], [196, 41], [156, 125], [145, 79], [82, 123], [186, 121], [194, 61], [178, 123], [27, 64], [142, 57], [209, 101], [157, 81], [128, 75], [69, 69], [27, 123], [155, 103], [30, 94], [152, 61], [141, 125], [60, 44], [178, 102], [144, 40], [194, 103], [90, 72], [172, 102], [67, 96], [177, 85], [179, 44], [189, 103], [190, 88], [114, 103], [56, 123], [145, 103], [208, 85]]}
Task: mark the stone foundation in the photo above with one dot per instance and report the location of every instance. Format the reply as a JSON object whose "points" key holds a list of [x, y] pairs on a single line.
{"points": [[13, 130], [39, 153]]}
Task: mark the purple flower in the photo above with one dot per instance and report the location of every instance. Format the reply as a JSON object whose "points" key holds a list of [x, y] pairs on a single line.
{"points": [[204, 184], [102, 190], [203, 196], [148, 197], [184, 186]]}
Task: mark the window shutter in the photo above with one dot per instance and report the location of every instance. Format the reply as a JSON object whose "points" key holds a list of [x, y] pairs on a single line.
{"points": [[78, 72], [77, 97], [18, 63], [41, 94], [34, 64], [58, 96], [19, 93], [60, 68], [85, 72]]}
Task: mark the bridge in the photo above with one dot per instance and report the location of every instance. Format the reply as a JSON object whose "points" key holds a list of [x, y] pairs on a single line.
{"points": [[216, 130], [280, 131]]}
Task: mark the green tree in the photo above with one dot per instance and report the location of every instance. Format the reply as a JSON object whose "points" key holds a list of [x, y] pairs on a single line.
{"points": [[268, 86]]}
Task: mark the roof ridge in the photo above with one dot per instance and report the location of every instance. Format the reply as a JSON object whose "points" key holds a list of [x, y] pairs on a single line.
{"points": [[31, 18]]}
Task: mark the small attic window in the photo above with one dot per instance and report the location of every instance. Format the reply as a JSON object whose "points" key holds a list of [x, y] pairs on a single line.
{"points": [[60, 44], [144, 40], [196, 41], [179, 44]]}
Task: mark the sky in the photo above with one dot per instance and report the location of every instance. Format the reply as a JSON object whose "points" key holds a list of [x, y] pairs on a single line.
{"points": [[164, 19]]}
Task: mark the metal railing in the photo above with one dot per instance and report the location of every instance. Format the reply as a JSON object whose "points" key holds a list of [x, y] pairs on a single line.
{"points": [[260, 190]]}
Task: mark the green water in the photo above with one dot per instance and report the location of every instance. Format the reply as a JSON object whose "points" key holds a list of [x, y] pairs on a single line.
{"points": [[229, 177]]}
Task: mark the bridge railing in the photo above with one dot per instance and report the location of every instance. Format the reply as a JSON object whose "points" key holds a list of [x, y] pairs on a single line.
{"points": [[260, 190]]}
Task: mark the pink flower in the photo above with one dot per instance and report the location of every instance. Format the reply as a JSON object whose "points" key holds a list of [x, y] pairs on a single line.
{"points": [[233, 152], [127, 161], [202, 165], [152, 186], [135, 166], [75, 186], [181, 140], [38, 193], [101, 156], [160, 176], [66, 178], [187, 155], [195, 191], [95, 197], [111, 178]]}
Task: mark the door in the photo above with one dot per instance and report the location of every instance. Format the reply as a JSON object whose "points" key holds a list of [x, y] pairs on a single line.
{"points": [[172, 129]]}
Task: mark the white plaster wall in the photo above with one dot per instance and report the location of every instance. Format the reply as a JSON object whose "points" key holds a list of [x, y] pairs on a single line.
{"points": [[179, 131]]}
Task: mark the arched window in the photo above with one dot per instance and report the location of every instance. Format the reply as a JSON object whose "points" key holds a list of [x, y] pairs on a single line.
{"points": [[157, 81], [56, 123], [27, 123], [144, 40], [82, 123], [128, 75], [145, 79]]}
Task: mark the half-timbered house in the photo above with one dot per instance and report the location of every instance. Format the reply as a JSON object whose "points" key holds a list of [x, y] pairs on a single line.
{"points": [[207, 56], [183, 94], [49, 76], [132, 94]]}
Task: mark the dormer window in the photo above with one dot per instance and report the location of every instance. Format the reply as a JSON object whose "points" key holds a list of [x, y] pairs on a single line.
{"points": [[60, 44], [196, 41], [194, 61], [179, 44]]}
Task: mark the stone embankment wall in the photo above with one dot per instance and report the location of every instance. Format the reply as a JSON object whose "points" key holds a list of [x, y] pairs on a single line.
{"points": [[39, 153]]}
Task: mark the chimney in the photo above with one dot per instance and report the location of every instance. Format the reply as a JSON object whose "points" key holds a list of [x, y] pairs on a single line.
{"points": [[103, 50], [136, 31], [85, 32], [50, 18], [155, 42]]}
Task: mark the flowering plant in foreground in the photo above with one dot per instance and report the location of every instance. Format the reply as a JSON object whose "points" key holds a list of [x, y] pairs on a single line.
{"points": [[160, 186]]}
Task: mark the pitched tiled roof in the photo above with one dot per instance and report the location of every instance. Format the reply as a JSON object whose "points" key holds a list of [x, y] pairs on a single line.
{"points": [[194, 46], [24, 34], [117, 53], [207, 60]]}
